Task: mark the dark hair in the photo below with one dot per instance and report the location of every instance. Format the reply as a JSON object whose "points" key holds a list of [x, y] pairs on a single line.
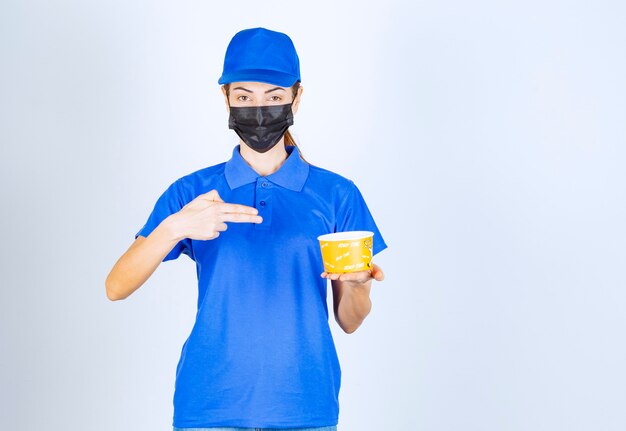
{"points": [[289, 141]]}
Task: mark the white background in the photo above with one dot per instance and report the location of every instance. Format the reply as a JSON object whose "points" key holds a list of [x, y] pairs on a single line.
{"points": [[488, 139]]}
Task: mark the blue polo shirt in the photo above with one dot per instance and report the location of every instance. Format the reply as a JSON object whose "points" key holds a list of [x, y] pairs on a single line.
{"points": [[261, 353]]}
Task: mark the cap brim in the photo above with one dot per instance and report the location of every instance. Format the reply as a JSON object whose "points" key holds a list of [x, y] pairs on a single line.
{"points": [[268, 76]]}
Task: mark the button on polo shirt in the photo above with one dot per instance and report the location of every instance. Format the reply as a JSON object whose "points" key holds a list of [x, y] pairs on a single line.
{"points": [[260, 353], [264, 200]]}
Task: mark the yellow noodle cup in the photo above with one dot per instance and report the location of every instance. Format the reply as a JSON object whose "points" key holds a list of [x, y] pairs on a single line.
{"points": [[347, 251]]}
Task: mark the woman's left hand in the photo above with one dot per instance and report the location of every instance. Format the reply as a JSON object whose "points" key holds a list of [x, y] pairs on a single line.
{"points": [[359, 277]]}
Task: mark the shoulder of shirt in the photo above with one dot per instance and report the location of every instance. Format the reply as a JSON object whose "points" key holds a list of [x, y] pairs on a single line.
{"points": [[203, 174], [334, 186], [325, 176]]}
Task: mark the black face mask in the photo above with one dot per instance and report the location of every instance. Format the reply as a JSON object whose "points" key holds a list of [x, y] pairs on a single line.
{"points": [[261, 127]]}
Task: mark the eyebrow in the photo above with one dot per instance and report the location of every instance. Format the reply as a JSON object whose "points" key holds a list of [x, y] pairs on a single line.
{"points": [[268, 91]]}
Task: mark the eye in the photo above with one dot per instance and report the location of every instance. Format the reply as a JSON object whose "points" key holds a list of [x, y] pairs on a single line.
{"points": [[275, 98], [242, 100]]}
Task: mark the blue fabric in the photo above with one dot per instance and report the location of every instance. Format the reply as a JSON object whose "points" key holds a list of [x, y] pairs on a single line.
{"points": [[261, 353], [329, 428], [261, 55]]}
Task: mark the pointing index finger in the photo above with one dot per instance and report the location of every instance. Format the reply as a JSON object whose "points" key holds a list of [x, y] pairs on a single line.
{"points": [[241, 218], [237, 209]]}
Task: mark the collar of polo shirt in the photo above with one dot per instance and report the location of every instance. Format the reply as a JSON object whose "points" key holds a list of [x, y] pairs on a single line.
{"points": [[291, 175]]}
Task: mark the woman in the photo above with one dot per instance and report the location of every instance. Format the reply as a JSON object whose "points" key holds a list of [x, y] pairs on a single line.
{"points": [[260, 354]]}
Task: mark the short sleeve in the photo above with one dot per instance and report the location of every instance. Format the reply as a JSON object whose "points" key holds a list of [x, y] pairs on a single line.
{"points": [[170, 202], [353, 214]]}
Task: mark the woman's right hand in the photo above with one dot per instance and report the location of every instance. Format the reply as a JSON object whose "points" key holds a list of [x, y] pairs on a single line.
{"points": [[206, 216]]}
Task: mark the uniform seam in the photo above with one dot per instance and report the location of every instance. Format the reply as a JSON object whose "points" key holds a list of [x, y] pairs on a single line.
{"points": [[344, 200], [181, 203]]}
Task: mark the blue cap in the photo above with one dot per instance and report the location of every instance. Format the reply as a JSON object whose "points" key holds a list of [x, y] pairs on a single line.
{"points": [[261, 55]]}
